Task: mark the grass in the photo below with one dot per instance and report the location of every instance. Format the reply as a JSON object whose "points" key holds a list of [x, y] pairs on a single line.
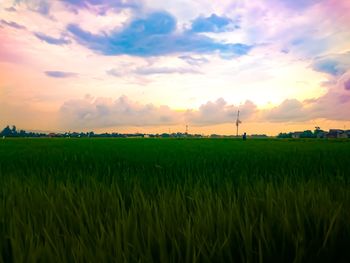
{"points": [[168, 200]]}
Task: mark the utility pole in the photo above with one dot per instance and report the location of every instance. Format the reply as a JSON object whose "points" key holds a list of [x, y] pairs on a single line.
{"points": [[237, 123]]}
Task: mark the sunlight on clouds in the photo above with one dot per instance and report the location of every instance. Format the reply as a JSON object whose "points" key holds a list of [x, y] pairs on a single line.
{"points": [[187, 56]]}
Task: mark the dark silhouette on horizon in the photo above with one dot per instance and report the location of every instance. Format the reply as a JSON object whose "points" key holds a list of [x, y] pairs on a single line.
{"points": [[307, 134]]}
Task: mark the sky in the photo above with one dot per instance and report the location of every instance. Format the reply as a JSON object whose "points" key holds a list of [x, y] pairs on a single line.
{"points": [[155, 66]]}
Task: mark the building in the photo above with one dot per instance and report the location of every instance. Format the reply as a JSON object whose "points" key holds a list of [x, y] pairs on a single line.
{"points": [[321, 134], [347, 132], [336, 133], [343, 135]]}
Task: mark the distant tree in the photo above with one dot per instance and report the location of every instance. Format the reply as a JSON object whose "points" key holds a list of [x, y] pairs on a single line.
{"points": [[307, 134], [22, 133], [165, 135], [14, 130], [284, 135], [318, 132], [6, 131]]}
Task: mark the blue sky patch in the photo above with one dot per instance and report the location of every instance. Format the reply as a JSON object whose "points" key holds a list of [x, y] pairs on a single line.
{"points": [[153, 36], [213, 23]]}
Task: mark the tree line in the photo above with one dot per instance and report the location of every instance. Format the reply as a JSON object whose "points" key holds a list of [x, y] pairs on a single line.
{"points": [[317, 133], [13, 132]]}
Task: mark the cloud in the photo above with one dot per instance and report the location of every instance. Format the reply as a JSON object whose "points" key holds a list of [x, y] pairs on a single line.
{"points": [[39, 6], [52, 40], [164, 70], [60, 74], [150, 70], [104, 112], [334, 105], [103, 5], [113, 72], [153, 36], [219, 112], [194, 61], [99, 6], [87, 3], [347, 85], [10, 9], [12, 24], [43, 6], [213, 23], [335, 65], [299, 4], [329, 66], [288, 110]]}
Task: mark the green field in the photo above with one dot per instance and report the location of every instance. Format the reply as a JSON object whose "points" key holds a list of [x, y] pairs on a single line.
{"points": [[174, 200]]}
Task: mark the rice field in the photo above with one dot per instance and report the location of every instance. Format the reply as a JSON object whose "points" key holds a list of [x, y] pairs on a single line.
{"points": [[174, 200]]}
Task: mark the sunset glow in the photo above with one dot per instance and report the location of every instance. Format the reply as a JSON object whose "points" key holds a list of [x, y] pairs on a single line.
{"points": [[151, 66]]}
